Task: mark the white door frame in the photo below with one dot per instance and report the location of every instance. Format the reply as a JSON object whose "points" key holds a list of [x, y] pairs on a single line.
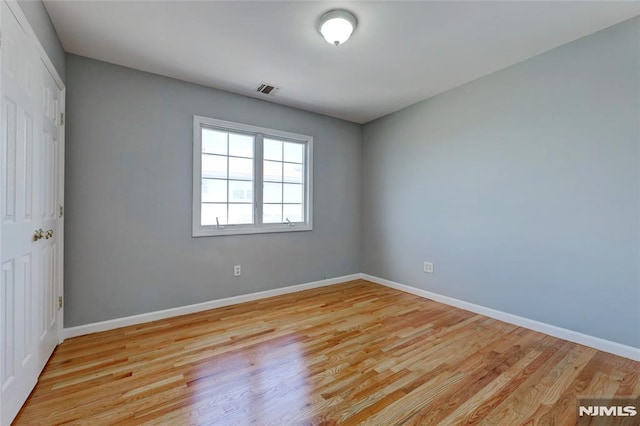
{"points": [[22, 20]]}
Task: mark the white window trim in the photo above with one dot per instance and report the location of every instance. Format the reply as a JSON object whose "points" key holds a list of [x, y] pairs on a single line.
{"points": [[260, 132]]}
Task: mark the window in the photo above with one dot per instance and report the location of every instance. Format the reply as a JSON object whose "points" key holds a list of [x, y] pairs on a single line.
{"points": [[249, 179]]}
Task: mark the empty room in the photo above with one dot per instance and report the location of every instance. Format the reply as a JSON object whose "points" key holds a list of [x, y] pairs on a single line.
{"points": [[319, 212]]}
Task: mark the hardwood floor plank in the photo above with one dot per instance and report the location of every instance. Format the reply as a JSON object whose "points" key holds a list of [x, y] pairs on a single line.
{"points": [[464, 413], [352, 353]]}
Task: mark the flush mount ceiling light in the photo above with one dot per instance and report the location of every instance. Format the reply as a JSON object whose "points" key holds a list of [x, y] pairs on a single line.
{"points": [[336, 26]]}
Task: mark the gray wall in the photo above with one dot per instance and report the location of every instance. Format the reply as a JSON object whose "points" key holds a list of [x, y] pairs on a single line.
{"points": [[128, 239], [522, 187], [39, 20]]}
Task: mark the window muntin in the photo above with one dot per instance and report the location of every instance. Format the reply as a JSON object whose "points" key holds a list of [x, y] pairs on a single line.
{"points": [[249, 179], [283, 181], [227, 178]]}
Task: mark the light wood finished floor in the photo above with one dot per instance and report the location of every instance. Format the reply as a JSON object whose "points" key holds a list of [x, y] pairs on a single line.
{"points": [[346, 354]]}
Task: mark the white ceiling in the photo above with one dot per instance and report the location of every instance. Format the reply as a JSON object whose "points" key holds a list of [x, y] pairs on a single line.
{"points": [[401, 52]]}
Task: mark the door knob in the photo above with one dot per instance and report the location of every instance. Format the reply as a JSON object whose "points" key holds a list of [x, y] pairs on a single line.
{"points": [[48, 234], [38, 234]]}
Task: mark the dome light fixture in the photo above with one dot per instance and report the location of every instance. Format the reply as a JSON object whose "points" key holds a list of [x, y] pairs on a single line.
{"points": [[336, 26]]}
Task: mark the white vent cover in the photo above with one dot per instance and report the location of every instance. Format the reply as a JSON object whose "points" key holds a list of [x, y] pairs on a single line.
{"points": [[267, 89]]}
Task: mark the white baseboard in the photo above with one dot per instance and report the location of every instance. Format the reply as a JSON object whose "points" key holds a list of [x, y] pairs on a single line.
{"points": [[198, 307], [562, 333]]}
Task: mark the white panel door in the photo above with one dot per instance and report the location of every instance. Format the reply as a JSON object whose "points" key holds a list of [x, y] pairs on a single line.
{"points": [[48, 211], [28, 329]]}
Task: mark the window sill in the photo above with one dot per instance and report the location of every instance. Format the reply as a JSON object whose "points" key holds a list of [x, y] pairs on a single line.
{"points": [[231, 230]]}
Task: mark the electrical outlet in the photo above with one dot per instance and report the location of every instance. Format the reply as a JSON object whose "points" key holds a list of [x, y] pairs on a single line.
{"points": [[428, 267], [237, 270]]}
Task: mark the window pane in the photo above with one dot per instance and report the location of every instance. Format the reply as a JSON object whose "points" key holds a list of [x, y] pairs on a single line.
{"points": [[214, 166], [293, 172], [240, 145], [293, 212], [292, 193], [272, 171], [272, 192], [214, 190], [272, 213], [240, 168], [214, 142], [209, 213], [272, 150], [240, 191], [293, 152], [240, 214]]}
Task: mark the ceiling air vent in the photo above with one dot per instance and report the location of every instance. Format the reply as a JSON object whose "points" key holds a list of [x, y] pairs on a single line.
{"points": [[267, 89]]}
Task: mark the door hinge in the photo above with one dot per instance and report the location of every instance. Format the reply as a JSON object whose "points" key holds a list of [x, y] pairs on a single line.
{"points": [[61, 213], [60, 302], [62, 118]]}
